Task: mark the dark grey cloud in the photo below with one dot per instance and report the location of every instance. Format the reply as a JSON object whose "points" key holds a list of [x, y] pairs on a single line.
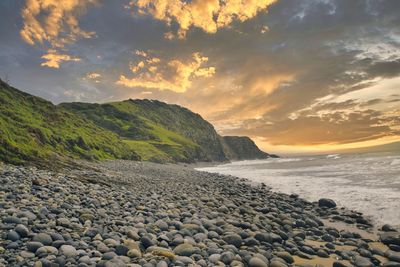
{"points": [[312, 50]]}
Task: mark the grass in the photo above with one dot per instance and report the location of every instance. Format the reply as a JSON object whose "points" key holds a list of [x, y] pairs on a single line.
{"points": [[149, 139], [33, 129]]}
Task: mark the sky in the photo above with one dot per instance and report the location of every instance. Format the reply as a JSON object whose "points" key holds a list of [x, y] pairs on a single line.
{"points": [[294, 75]]}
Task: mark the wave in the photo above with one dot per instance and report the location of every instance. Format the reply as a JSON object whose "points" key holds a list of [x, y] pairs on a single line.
{"points": [[263, 161], [395, 162], [333, 156]]}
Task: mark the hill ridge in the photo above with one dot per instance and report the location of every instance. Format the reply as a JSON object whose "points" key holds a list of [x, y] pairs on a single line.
{"points": [[33, 129]]}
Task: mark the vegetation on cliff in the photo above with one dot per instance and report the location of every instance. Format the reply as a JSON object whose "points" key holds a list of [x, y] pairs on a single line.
{"points": [[34, 130]]}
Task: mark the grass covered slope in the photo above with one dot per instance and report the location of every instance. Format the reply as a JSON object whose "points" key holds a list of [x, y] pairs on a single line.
{"points": [[146, 137], [33, 129], [156, 130]]}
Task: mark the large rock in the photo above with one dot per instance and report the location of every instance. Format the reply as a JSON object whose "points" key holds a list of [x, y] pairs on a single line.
{"points": [[285, 256], [390, 238], [388, 228], [68, 251], [22, 230], [47, 250], [233, 239], [186, 250], [13, 236], [257, 262], [33, 246], [43, 238], [362, 262], [326, 202]]}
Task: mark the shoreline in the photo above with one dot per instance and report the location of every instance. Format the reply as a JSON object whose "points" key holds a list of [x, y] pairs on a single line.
{"points": [[144, 214], [288, 178]]}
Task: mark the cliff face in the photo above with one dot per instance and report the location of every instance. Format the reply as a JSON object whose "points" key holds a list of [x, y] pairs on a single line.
{"points": [[242, 147], [33, 129]]}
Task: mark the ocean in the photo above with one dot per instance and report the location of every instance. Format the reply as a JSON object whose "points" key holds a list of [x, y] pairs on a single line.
{"points": [[368, 183]]}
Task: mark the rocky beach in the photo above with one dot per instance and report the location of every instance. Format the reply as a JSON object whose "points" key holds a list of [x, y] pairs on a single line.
{"points": [[125, 213]]}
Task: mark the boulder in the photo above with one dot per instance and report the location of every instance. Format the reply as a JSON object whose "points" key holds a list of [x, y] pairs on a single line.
{"points": [[326, 202]]}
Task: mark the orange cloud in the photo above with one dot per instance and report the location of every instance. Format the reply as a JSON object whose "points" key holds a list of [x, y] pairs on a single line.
{"points": [[174, 75], [53, 59], [54, 23], [208, 15]]}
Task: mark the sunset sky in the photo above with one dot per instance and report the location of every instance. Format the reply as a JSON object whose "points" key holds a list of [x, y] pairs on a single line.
{"points": [[295, 75]]}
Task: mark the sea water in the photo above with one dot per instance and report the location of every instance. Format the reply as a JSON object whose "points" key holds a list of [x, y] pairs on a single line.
{"points": [[369, 183]]}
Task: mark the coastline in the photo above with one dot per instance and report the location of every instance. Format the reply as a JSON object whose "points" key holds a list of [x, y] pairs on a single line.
{"points": [[143, 214], [364, 183]]}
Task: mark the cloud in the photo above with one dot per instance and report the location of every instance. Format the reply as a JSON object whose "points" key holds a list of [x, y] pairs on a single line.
{"points": [[208, 15], [386, 69], [316, 61], [53, 21], [337, 127], [93, 75], [54, 59], [54, 24], [174, 75]]}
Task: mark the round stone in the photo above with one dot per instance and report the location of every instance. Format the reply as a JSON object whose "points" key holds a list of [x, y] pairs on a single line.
{"points": [[162, 225], [277, 263], [33, 246], [46, 250], [22, 230], [134, 253], [43, 238], [109, 255], [257, 262], [227, 257], [146, 241], [12, 220], [233, 239], [326, 202], [362, 262], [186, 250], [68, 251], [285, 256], [162, 264], [102, 247], [121, 250], [13, 236], [388, 228], [27, 254], [214, 258]]}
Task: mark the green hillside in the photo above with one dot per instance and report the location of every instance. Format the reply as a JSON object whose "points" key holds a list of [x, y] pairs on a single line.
{"points": [[170, 131], [146, 137], [33, 129]]}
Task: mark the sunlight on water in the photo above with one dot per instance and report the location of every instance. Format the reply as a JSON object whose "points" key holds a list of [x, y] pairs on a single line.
{"points": [[369, 183]]}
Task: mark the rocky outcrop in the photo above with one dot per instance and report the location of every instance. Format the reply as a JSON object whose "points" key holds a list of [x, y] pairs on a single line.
{"points": [[242, 147]]}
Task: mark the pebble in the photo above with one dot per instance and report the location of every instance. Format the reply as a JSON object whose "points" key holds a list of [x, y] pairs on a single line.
{"points": [[257, 262], [121, 213], [186, 250], [13, 236], [22, 230], [68, 251], [43, 238], [33, 246], [326, 202], [233, 239]]}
